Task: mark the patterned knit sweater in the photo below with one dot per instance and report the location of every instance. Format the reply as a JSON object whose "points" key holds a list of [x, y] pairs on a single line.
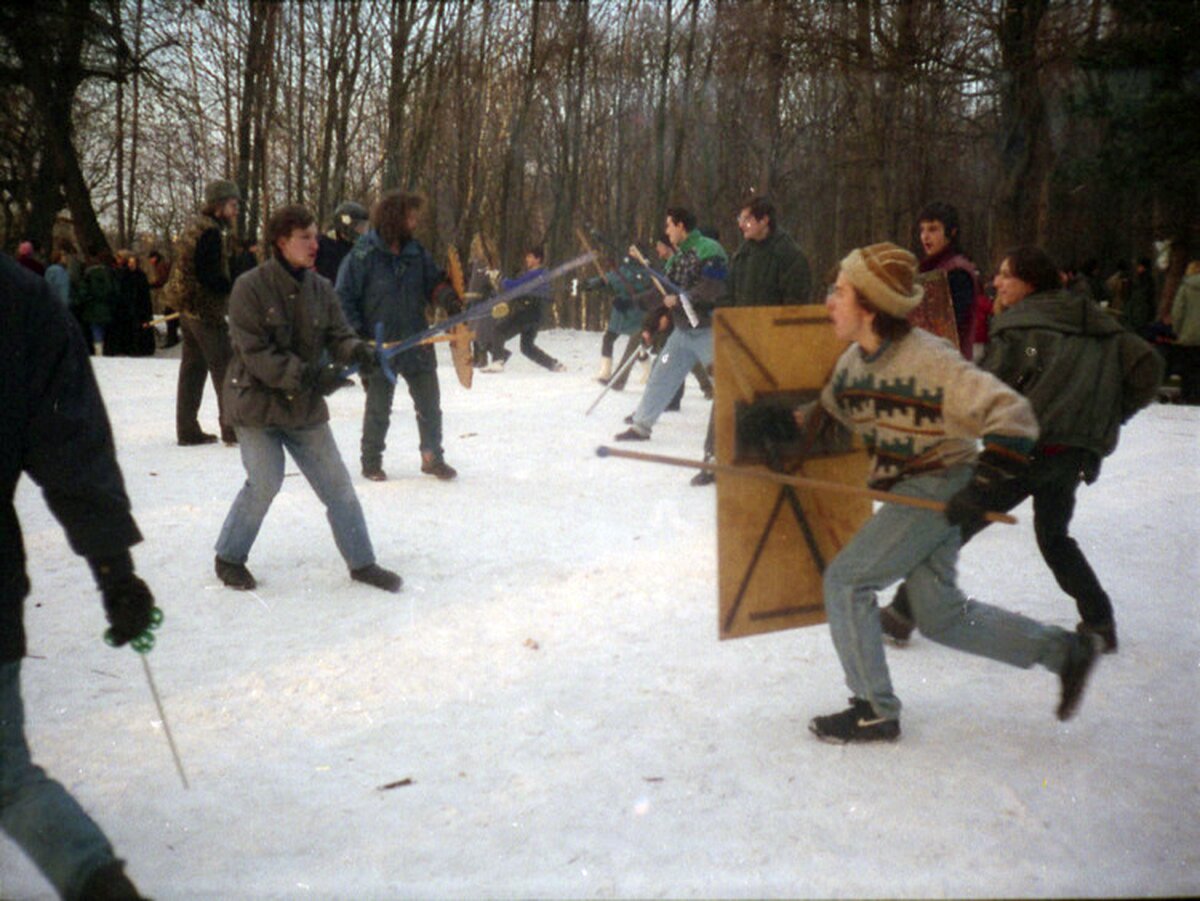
{"points": [[919, 406]]}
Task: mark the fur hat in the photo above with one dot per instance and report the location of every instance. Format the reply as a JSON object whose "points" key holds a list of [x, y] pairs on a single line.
{"points": [[216, 192], [884, 274]]}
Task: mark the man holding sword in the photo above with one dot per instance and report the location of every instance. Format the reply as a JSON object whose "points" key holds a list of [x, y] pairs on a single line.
{"points": [[698, 268]]}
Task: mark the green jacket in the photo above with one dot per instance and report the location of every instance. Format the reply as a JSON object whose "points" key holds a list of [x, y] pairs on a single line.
{"points": [[770, 272], [98, 295], [701, 267], [1083, 373]]}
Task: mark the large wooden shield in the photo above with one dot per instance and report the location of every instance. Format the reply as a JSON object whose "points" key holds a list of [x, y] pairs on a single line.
{"points": [[773, 542]]}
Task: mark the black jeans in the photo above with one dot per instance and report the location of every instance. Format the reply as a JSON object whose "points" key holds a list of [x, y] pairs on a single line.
{"points": [[524, 322], [1051, 480], [426, 396]]}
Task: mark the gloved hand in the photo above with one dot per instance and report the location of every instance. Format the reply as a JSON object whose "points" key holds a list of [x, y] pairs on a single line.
{"points": [[127, 602], [325, 379], [994, 470], [764, 423], [366, 358]]}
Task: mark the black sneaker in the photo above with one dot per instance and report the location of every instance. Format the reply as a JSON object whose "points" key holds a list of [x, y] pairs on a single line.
{"points": [[1081, 656], [856, 724], [197, 439], [374, 473], [703, 477], [235, 575], [895, 624], [1106, 632], [436, 466], [108, 882], [376, 575], [633, 433]]}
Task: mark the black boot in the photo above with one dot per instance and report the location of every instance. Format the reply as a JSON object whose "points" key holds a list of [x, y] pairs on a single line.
{"points": [[235, 575], [375, 575], [109, 883]]}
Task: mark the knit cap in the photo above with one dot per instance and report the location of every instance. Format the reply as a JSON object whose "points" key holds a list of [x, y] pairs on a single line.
{"points": [[885, 275], [220, 190]]}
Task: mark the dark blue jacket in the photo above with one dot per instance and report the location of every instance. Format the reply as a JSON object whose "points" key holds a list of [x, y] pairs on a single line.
{"points": [[396, 289], [53, 428]]}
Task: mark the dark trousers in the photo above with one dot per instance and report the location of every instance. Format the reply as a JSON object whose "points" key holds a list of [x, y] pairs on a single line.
{"points": [[608, 344], [1185, 360], [1051, 481], [525, 323], [206, 352], [426, 396]]}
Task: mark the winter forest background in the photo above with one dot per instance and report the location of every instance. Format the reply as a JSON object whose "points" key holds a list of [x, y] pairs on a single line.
{"points": [[1069, 123]]}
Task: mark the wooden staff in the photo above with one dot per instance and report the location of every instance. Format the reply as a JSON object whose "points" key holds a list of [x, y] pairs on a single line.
{"points": [[886, 497], [688, 309], [154, 322]]}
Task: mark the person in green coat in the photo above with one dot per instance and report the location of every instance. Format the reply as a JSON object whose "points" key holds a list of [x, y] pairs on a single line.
{"points": [[1085, 376], [768, 269]]}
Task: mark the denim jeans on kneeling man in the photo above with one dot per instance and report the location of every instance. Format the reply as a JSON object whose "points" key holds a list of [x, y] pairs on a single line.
{"points": [[316, 454]]}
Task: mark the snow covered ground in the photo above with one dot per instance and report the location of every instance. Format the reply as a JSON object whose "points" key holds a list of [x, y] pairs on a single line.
{"points": [[551, 683]]}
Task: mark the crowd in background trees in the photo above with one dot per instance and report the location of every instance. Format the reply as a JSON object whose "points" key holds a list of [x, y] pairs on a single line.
{"points": [[1068, 123]]}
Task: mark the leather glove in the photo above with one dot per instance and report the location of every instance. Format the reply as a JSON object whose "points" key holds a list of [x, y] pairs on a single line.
{"points": [[366, 358], [325, 379], [994, 470], [128, 602]]}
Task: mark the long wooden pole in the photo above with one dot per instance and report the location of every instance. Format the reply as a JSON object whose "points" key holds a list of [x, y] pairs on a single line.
{"points": [[886, 497]]}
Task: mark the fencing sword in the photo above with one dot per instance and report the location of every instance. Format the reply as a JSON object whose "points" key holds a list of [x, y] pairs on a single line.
{"points": [[476, 311]]}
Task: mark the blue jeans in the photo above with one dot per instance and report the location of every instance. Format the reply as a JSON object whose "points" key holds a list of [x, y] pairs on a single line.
{"points": [[684, 349], [35, 811], [921, 546], [316, 453]]}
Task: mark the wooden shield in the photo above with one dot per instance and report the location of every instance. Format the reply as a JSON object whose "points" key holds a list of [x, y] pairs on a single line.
{"points": [[935, 313], [773, 542], [461, 334]]}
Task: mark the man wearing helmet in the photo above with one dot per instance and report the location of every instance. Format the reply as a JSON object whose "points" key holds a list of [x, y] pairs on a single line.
{"points": [[349, 221]]}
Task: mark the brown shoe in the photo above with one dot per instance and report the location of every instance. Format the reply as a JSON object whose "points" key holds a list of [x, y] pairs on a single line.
{"points": [[436, 466], [374, 473]]}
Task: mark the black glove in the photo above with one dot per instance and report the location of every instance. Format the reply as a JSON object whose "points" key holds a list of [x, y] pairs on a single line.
{"points": [[762, 424], [127, 600], [325, 379], [366, 358], [986, 490]]}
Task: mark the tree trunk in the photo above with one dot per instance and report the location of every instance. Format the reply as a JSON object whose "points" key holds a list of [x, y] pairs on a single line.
{"points": [[1026, 156]]}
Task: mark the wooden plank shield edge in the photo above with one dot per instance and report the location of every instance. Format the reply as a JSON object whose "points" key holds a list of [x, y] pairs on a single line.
{"points": [[773, 542]]}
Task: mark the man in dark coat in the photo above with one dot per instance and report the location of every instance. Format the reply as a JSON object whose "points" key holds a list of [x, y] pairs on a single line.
{"points": [[1085, 376], [54, 429], [349, 222], [284, 323], [199, 287], [768, 269], [388, 283]]}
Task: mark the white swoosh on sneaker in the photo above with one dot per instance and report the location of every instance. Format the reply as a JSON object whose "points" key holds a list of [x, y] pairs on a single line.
{"points": [[862, 724]]}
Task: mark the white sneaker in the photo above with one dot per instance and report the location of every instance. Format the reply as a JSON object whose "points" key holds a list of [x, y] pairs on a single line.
{"points": [[494, 366]]}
